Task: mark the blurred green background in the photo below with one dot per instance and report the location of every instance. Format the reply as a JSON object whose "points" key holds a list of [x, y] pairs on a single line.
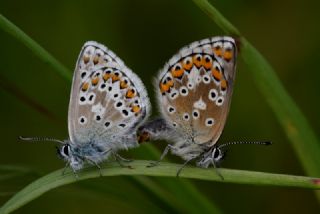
{"points": [[34, 98]]}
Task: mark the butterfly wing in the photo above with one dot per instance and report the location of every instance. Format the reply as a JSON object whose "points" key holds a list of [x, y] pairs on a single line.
{"points": [[195, 87], [107, 99]]}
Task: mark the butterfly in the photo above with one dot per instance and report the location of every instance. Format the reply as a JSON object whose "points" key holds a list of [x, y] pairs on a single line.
{"points": [[194, 91], [107, 104]]}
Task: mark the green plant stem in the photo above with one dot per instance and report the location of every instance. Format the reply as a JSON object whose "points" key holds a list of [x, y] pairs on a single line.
{"points": [[56, 179], [39, 51], [294, 123]]}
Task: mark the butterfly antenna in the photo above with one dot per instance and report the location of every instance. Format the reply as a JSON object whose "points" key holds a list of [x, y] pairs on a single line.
{"points": [[264, 143], [36, 139]]}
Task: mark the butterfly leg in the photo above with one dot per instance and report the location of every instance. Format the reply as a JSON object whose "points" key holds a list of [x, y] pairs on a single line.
{"points": [[164, 153], [94, 163], [65, 168], [184, 164], [122, 158], [75, 174], [217, 169], [118, 158]]}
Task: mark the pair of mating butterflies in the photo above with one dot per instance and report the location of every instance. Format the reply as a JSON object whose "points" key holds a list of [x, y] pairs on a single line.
{"points": [[109, 104]]}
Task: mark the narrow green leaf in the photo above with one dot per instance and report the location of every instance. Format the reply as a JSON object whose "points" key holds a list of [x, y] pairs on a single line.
{"points": [[56, 179], [9, 172]]}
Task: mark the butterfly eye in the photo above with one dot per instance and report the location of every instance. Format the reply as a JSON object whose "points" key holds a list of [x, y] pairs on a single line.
{"points": [[66, 150], [216, 153]]}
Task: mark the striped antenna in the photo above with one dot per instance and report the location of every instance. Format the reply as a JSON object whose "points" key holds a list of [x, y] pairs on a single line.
{"points": [[37, 139], [264, 143]]}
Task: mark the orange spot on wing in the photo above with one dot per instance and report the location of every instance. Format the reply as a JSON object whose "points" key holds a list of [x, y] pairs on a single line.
{"points": [[227, 55], [95, 81], [106, 76], [187, 65], [115, 78], [217, 75], [135, 109], [95, 60], [85, 86], [177, 71], [86, 59], [170, 83], [197, 60], [130, 93], [164, 87], [123, 84], [223, 85], [207, 62], [217, 51]]}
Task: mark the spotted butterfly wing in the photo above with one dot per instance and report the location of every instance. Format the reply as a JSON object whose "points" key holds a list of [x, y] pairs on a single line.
{"points": [[107, 99], [195, 88]]}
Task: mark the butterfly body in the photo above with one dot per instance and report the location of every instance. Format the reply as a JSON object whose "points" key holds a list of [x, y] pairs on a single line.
{"points": [[107, 104], [194, 91], [76, 155]]}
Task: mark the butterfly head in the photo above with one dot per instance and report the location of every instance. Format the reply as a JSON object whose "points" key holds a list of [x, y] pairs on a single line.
{"points": [[66, 153], [214, 156]]}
